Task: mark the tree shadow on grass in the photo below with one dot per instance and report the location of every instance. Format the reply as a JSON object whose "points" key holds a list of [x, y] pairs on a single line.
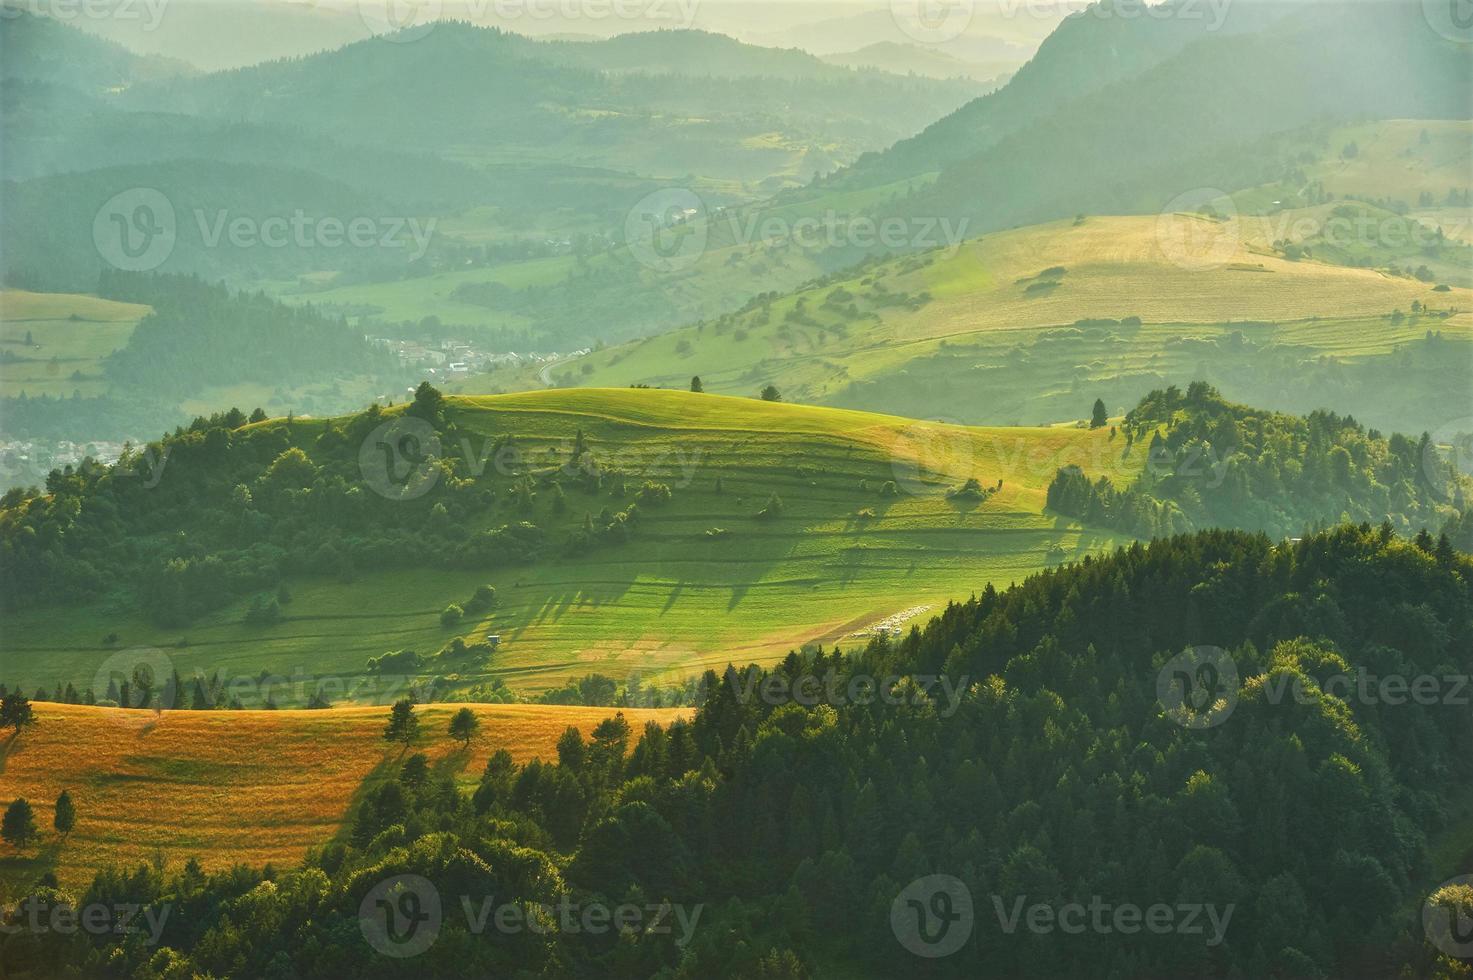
{"points": [[381, 773], [5, 748], [452, 763], [19, 871]]}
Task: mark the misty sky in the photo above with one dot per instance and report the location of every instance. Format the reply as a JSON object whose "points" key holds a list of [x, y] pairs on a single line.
{"points": [[214, 34]]}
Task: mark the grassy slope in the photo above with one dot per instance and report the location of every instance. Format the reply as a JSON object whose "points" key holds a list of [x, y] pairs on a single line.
{"points": [[80, 331], [673, 599], [732, 268], [1392, 160], [1116, 267], [76, 331], [233, 787]]}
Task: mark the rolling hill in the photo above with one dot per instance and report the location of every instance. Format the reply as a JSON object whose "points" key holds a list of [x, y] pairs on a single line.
{"points": [[70, 336], [340, 130], [250, 786], [908, 59], [1030, 324], [38, 48], [874, 522], [459, 89]]}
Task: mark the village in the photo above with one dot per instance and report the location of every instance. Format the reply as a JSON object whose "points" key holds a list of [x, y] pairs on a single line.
{"points": [[453, 359], [27, 461]]}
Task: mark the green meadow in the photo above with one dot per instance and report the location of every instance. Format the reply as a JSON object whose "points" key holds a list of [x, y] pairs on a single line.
{"points": [[70, 336], [866, 530]]}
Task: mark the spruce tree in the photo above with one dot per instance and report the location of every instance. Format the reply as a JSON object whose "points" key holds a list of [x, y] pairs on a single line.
{"points": [[18, 826], [66, 814]]}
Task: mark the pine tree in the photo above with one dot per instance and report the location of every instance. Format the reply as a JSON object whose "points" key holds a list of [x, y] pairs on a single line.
{"points": [[16, 712], [403, 725], [66, 814], [19, 824], [464, 726]]}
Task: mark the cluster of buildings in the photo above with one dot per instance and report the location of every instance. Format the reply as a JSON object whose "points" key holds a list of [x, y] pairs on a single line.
{"points": [[453, 359], [27, 461]]}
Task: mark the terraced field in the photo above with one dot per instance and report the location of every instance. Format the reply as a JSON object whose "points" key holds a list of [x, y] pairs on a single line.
{"points": [[234, 787], [1127, 302], [866, 530]]}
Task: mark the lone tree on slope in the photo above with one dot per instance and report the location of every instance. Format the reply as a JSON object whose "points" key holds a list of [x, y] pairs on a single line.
{"points": [[403, 725], [464, 726], [19, 824], [16, 712], [66, 814]]}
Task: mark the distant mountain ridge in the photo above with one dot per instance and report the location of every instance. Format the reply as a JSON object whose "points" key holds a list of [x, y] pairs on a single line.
{"points": [[1118, 113], [45, 49]]}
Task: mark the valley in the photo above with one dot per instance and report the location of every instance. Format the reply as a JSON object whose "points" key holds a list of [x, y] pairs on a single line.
{"points": [[780, 491]]}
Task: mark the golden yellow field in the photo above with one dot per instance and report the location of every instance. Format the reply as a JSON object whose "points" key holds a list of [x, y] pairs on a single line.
{"points": [[1175, 270], [231, 787], [1172, 269]]}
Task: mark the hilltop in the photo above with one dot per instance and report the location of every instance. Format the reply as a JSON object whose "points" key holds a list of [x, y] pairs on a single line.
{"points": [[1020, 326], [237, 787], [623, 531]]}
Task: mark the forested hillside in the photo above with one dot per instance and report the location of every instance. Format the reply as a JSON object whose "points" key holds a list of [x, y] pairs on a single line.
{"points": [[198, 338], [1302, 818], [1215, 464]]}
